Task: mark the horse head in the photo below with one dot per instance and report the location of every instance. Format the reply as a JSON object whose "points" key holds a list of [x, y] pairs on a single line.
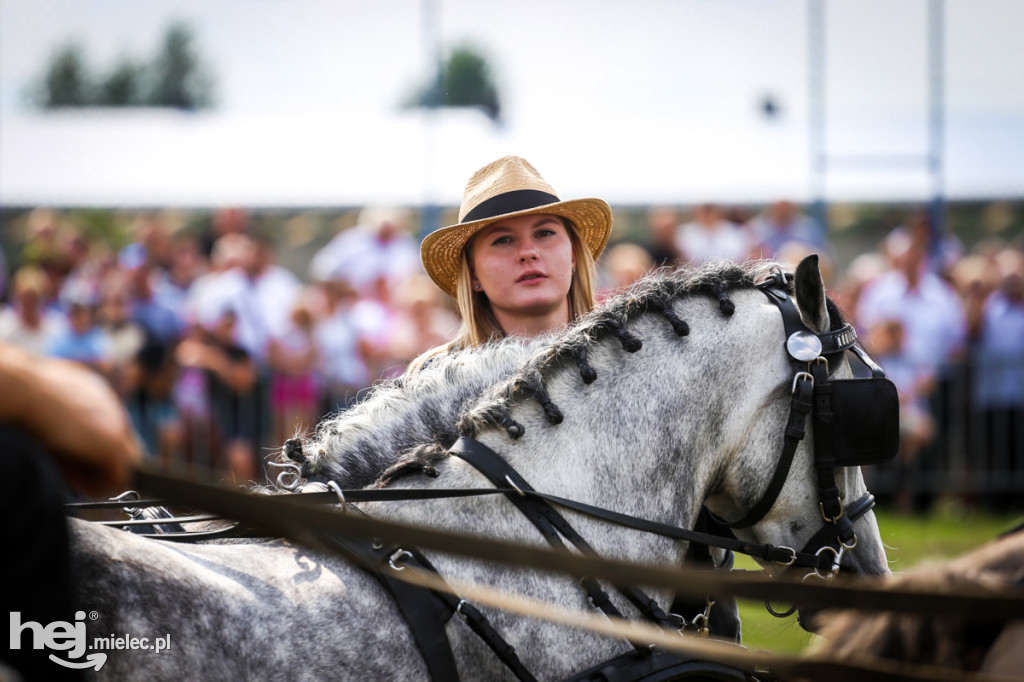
{"points": [[797, 515]]}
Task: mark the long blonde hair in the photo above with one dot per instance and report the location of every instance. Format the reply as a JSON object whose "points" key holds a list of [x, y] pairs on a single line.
{"points": [[479, 325]]}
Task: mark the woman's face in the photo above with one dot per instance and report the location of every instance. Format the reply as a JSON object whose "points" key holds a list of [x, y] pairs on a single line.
{"points": [[524, 265]]}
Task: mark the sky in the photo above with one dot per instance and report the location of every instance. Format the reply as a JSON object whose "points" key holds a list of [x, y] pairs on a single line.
{"points": [[646, 100]]}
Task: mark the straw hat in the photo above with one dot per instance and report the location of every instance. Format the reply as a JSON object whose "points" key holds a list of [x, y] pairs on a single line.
{"points": [[507, 188]]}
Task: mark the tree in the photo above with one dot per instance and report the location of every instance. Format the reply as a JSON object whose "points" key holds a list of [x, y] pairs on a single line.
{"points": [[179, 78], [66, 82], [464, 80], [123, 87], [176, 78]]}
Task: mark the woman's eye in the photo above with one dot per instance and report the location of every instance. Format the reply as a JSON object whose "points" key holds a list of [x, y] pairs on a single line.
{"points": [[547, 232], [502, 240]]}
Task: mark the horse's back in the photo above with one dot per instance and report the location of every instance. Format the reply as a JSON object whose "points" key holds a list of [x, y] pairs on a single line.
{"points": [[263, 610]]}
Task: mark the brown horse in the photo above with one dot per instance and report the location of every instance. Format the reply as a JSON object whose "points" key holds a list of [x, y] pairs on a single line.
{"points": [[970, 644]]}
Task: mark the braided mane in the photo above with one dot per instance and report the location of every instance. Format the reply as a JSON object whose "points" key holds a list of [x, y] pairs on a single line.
{"points": [[466, 391], [654, 293]]}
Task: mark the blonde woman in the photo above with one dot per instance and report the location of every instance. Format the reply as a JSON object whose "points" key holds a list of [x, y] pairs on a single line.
{"points": [[520, 261]]}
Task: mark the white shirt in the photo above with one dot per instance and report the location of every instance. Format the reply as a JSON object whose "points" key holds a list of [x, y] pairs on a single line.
{"points": [[701, 244], [932, 317]]}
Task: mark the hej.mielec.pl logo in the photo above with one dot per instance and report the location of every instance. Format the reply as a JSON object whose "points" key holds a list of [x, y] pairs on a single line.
{"points": [[71, 637]]}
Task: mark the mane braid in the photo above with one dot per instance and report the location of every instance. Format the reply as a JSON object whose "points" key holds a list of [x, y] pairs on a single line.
{"points": [[653, 293], [587, 373]]}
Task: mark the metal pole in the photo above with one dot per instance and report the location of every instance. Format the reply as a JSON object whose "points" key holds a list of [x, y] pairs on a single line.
{"points": [[936, 119], [816, 108], [430, 213]]}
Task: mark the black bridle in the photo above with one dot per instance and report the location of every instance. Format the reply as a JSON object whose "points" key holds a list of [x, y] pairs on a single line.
{"points": [[815, 394]]}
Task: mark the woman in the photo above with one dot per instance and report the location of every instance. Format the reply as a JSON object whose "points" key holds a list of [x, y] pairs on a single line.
{"points": [[520, 262]]}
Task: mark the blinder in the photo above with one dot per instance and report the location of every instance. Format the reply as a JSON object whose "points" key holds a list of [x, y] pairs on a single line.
{"points": [[863, 412], [866, 427]]}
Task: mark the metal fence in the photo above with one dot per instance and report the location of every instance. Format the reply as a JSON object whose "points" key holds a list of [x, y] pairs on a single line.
{"points": [[977, 453]]}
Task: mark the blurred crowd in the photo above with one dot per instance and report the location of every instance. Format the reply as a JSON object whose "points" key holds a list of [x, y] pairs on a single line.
{"points": [[218, 351], [947, 324]]}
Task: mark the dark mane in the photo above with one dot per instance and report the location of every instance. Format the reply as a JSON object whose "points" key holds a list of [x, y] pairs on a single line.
{"points": [[654, 293]]}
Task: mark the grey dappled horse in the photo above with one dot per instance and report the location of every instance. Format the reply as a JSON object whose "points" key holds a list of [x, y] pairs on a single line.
{"points": [[694, 416]]}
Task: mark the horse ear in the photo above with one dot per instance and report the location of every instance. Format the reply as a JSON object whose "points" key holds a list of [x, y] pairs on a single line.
{"points": [[810, 294]]}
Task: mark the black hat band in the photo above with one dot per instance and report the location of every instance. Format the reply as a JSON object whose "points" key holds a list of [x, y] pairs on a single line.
{"points": [[510, 202]]}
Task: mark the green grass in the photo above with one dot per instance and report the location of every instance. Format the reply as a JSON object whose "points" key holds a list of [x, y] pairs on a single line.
{"points": [[909, 540]]}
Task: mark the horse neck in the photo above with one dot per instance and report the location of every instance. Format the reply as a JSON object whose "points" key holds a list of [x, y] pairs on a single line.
{"points": [[356, 446], [655, 431]]}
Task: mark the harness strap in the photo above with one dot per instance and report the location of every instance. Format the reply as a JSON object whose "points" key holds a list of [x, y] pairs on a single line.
{"points": [[545, 517], [658, 667], [782, 555], [479, 624], [726, 623], [542, 516], [424, 612]]}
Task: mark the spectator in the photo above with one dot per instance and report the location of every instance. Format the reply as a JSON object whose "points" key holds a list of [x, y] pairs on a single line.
{"points": [[293, 359], [782, 223], [149, 395], [709, 236], [126, 338], [374, 316], [943, 250], [662, 224], [215, 289], [624, 264], [341, 349], [160, 322], [998, 380], [793, 252], [423, 321], [26, 323], [380, 245], [171, 286], [269, 298], [927, 307], [862, 271], [230, 377], [81, 341], [923, 321]]}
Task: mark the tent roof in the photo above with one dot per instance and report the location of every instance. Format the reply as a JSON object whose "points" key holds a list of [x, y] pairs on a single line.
{"points": [[150, 158]]}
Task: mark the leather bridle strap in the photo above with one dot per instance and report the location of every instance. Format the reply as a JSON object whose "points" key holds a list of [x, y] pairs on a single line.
{"points": [[771, 553], [796, 426], [828, 533], [824, 455]]}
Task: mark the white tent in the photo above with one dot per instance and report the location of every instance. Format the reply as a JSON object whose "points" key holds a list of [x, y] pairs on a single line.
{"points": [[155, 158]]}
